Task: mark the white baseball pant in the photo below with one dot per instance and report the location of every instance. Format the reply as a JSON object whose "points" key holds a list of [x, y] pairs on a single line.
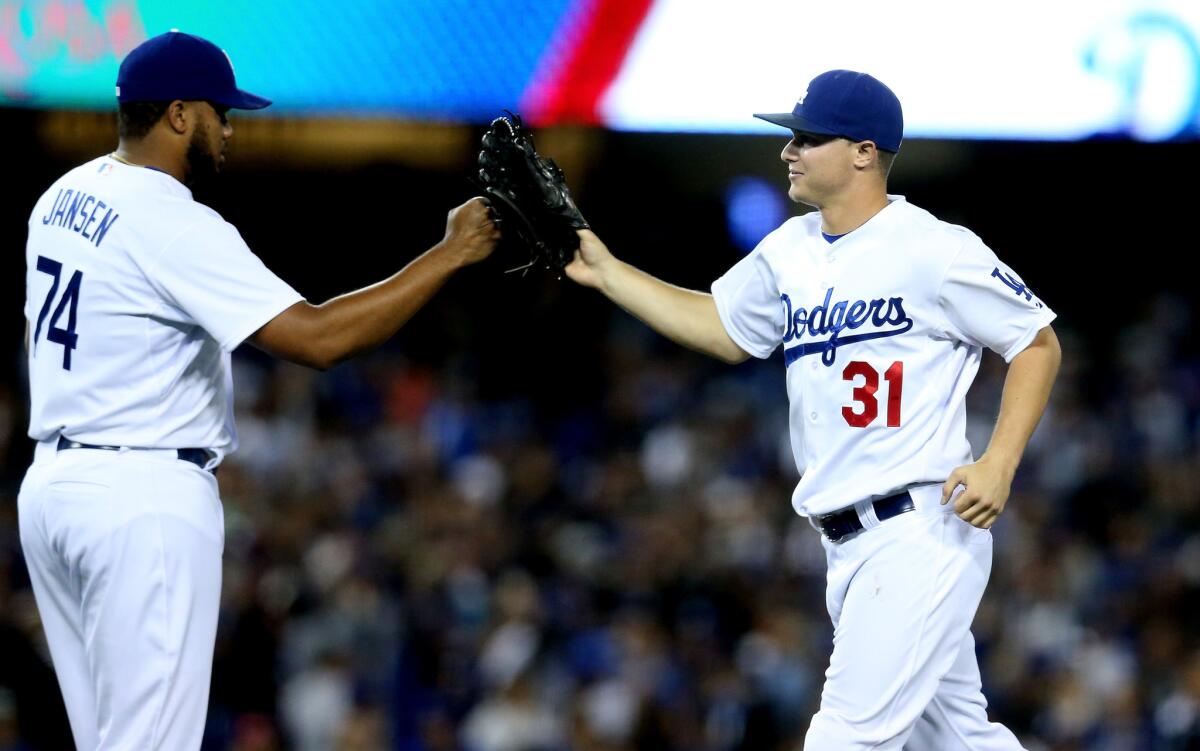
{"points": [[903, 673], [124, 553]]}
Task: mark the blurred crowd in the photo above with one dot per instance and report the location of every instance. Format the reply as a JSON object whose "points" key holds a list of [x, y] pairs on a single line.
{"points": [[411, 565]]}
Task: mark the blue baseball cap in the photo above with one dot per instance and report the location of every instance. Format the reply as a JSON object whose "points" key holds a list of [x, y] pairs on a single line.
{"points": [[847, 104], [183, 66]]}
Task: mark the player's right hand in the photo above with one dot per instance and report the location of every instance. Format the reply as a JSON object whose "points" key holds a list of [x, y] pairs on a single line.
{"points": [[471, 231], [590, 260]]}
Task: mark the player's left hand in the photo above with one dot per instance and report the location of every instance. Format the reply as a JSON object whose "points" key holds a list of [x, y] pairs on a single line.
{"points": [[986, 486]]}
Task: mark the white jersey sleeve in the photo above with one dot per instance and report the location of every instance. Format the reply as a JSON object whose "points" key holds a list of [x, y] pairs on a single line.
{"points": [[747, 298], [986, 304], [213, 279]]}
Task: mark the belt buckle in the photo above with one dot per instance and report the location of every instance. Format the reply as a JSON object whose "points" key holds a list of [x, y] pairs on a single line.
{"points": [[197, 456], [823, 524]]}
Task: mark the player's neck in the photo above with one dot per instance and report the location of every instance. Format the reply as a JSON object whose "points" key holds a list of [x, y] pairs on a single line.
{"points": [[145, 153], [840, 217]]}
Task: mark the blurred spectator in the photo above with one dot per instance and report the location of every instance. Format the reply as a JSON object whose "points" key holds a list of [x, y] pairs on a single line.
{"points": [[411, 565]]}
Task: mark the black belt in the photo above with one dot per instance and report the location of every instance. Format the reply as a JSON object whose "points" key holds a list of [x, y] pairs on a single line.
{"points": [[199, 457], [843, 523]]}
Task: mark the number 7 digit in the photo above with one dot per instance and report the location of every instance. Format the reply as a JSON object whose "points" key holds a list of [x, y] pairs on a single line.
{"points": [[54, 269]]}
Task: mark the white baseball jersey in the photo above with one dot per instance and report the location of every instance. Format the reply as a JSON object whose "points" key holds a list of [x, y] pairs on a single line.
{"points": [[882, 331], [135, 296]]}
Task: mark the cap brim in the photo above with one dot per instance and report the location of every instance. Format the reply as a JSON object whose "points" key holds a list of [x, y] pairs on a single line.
{"points": [[244, 100], [791, 121]]}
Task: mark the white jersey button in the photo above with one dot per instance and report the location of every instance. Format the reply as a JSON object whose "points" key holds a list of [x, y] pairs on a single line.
{"points": [[812, 415]]}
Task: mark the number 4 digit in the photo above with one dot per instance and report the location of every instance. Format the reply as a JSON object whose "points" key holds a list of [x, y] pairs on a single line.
{"points": [[66, 337]]}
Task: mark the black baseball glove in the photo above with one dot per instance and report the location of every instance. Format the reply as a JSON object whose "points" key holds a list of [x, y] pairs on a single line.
{"points": [[529, 195]]}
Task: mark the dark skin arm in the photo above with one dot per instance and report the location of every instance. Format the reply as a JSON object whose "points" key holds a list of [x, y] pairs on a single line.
{"points": [[321, 336]]}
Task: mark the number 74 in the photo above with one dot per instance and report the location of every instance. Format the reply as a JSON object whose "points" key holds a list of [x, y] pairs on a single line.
{"points": [[69, 304]]}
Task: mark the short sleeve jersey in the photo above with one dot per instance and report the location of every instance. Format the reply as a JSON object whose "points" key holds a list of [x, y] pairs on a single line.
{"points": [[135, 297], [882, 333]]}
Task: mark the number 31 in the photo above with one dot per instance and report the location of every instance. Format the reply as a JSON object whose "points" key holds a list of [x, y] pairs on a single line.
{"points": [[865, 394]]}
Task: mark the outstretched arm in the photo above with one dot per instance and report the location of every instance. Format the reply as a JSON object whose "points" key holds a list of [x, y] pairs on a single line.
{"points": [[1027, 386], [682, 315], [321, 336]]}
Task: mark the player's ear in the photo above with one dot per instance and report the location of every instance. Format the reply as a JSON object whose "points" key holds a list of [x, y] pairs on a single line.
{"points": [[177, 116], [865, 154]]}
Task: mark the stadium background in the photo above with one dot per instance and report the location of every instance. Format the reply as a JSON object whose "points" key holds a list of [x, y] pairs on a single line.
{"points": [[528, 523]]}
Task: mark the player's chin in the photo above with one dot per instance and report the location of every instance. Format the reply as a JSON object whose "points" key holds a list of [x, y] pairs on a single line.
{"points": [[799, 196]]}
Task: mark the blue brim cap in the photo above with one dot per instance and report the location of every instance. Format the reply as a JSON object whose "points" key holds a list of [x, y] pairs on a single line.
{"points": [[183, 66], [847, 104], [792, 121], [243, 100]]}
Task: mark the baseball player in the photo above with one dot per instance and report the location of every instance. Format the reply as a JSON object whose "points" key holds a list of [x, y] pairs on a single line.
{"points": [[135, 297], [883, 312]]}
